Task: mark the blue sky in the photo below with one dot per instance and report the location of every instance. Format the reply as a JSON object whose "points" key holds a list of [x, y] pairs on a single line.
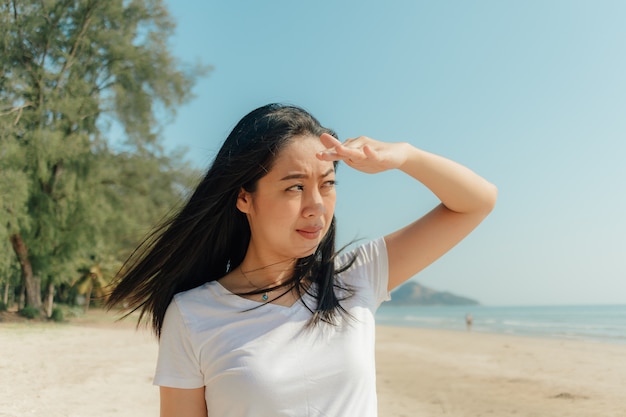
{"points": [[531, 95]]}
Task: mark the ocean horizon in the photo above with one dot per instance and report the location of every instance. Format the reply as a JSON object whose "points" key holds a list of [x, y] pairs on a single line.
{"points": [[603, 323]]}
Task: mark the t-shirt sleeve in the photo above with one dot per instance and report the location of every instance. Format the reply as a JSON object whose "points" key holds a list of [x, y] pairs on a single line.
{"points": [[178, 365], [370, 271]]}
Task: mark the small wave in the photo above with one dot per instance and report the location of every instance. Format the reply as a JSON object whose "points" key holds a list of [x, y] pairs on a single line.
{"points": [[586, 322]]}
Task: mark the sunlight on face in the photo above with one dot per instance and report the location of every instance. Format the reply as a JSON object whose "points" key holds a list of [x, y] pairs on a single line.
{"points": [[293, 205]]}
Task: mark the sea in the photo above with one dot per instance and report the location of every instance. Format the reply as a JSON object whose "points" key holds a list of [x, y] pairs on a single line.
{"points": [[602, 323]]}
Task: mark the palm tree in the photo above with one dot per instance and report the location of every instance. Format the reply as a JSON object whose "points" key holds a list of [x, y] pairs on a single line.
{"points": [[93, 282]]}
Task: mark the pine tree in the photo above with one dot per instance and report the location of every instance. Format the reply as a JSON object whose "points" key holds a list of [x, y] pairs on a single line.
{"points": [[69, 70]]}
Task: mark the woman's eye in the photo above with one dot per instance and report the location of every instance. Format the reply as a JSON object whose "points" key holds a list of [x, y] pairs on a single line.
{"points": [[326, 185]]}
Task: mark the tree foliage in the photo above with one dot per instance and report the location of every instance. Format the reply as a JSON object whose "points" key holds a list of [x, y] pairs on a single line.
{"points": [[69, 70]]}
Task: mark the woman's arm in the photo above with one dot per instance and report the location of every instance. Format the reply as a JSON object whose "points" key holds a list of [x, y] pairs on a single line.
{"points": [[176, 402], [466, 199]]}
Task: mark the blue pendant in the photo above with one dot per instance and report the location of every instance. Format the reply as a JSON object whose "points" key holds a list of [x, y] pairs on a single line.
{"points": [[265, 297]]}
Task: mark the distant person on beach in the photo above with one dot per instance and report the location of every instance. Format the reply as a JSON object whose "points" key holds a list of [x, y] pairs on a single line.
{"points": [[256, 312], [469, 320]]}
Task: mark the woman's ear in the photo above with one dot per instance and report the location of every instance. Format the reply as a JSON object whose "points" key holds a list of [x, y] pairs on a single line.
{"points": [[244, 201]]}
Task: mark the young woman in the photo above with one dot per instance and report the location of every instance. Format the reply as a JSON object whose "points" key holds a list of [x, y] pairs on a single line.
{"points": [[257, 314]]}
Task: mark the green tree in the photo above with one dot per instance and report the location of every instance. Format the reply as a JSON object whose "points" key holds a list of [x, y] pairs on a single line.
{"points": [[68, 71], [13, 207]]}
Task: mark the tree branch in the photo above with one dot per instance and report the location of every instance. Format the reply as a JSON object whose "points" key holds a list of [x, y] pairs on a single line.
{"points": [[17, 109], [69, 61], [14, 109]]}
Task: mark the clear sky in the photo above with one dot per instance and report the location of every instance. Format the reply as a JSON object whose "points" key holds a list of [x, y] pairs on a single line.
{"points": [[531, 95]]}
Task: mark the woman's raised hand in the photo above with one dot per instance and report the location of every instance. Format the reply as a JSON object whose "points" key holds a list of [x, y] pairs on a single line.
{"points": [[363, 153]]}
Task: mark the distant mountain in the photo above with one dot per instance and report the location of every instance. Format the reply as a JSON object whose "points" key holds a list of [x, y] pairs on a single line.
{"points": [[412, 293]]}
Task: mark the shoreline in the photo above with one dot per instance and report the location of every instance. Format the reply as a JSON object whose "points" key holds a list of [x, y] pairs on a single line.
{"points": [[599, 323], [581, 339], [93, 366]]}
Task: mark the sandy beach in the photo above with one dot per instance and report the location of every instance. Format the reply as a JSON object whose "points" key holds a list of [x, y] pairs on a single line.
{"points": [[93, 367]]}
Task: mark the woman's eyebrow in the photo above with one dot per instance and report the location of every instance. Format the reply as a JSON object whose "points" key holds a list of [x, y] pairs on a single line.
{"points": [[301, 175]]}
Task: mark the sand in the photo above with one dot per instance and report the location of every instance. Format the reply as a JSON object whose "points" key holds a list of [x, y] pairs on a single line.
{"points": [[92, 367], [445, 373]]}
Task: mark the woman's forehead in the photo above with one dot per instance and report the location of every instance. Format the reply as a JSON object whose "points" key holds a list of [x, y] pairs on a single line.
{"points": [[299, 155]]}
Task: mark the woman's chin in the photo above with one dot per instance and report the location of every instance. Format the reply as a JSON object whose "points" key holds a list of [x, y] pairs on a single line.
{"points": [[305, 252]]}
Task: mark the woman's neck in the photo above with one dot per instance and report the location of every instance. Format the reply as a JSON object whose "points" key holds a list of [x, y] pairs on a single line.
{"points": [[263, 274]]}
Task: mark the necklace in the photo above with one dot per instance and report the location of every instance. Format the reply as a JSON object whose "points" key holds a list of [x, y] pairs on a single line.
{"points": [[265, 295]]}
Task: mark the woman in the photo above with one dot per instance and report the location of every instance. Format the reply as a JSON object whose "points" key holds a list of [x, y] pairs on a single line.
{"points": [[256, 314]]}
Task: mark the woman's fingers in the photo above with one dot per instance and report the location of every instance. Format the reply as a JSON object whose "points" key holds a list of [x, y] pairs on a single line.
{"points": [[369, 152], [334, 151], [362, 153], [329, 141], [349, 151]]}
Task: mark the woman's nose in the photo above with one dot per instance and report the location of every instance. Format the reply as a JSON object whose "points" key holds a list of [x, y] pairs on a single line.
{"points": [[313, 205]]}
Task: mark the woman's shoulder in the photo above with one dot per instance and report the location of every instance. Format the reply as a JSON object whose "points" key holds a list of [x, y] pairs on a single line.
{"points": [[368, 274], [198, 305], [363, 253], [193, 294], [191, 300]]}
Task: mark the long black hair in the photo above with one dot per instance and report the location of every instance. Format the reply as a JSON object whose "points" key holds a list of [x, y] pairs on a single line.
{"points": [[209, 236]]}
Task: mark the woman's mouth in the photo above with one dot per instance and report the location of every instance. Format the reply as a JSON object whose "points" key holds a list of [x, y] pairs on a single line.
{"points": [[310, 232]]}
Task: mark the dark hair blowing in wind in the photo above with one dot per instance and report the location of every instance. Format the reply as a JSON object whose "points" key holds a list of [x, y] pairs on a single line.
{"points": [[209, 236]]}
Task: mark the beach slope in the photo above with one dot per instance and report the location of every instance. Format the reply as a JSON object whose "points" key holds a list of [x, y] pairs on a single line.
{"points": [[93, 367]]}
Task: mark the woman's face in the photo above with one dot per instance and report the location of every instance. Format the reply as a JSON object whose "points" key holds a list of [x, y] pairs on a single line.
{"points": [[293, 205]]}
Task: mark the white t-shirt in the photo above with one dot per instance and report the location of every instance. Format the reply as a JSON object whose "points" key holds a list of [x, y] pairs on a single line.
{"points": [[264, 362]]}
